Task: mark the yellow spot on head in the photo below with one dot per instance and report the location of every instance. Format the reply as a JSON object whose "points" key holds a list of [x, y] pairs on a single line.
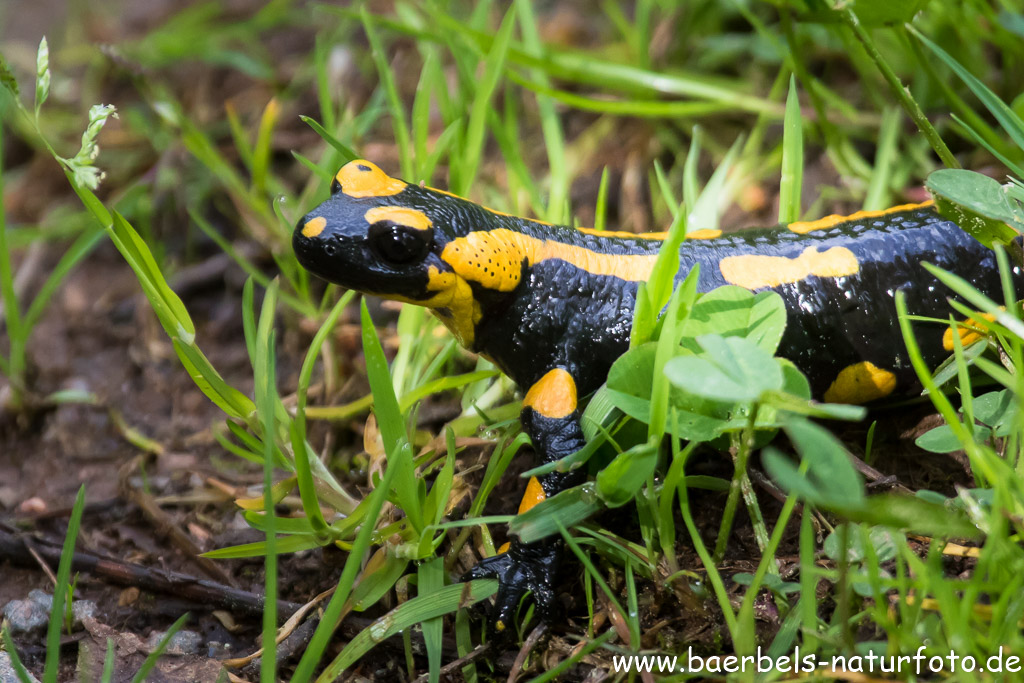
{"points": [[861, 383], [553, 395], [362, 178], [401, 215], [534, 494], [314, 226], [804, 227], [755, 271], [967, 335], [703, 234]]}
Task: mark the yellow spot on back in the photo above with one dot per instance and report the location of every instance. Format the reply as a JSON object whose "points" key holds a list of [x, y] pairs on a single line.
{"points": [[755, 271], [967, 335], [625, 233], [703, 234], [314, 226], [494, 258], [533, 495], [804, 227], [361, 178], [401, 215], [553, 395], [861, 383]]}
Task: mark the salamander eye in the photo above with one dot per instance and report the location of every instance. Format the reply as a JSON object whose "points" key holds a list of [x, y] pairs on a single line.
{"points": [[397, 244], [335, 187]]}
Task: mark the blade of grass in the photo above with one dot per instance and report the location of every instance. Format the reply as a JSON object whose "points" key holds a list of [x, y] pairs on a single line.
{"points": [[1007, 118], [60, 590], [261, 150], [19, 669], [792, 158], [877, 195], [347, 153], [406, 615], [266, 404]]}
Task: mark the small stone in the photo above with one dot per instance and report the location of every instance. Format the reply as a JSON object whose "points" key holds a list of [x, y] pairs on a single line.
{"points": [[82, 610], [33, 506], [7, 672], [26, 616], [41, 598], [182, 643]]}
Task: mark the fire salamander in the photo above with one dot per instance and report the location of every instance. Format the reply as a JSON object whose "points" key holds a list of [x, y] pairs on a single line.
{"points": [[552, 306]]}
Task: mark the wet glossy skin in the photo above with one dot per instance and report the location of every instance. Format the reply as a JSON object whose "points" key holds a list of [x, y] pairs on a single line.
{"points": [[552, 306]]}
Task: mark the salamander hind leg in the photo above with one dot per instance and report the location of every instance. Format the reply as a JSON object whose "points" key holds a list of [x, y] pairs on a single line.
{"points": [[551, 419]]}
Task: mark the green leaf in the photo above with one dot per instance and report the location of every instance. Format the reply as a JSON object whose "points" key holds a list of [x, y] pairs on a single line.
{"points": [[619, 481], [985, 208], [942, 440], [629, 389], [7, 79], [732, 311], [915, 514], [226, 397], [379, 576], [996, 409], [731, 369], [829, 479], [882, 540]]}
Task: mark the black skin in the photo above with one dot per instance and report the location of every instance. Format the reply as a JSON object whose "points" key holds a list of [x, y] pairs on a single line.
{"points": [[560, 316]]}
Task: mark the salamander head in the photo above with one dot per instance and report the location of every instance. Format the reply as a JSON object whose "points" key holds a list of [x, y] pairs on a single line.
{"points": [[380, 235]]}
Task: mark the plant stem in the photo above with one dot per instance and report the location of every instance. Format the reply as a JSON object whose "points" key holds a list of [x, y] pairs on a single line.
{"points": [[910, 105]]}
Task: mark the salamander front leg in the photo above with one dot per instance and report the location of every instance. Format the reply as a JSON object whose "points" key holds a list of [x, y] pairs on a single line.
{"points": [[551, 418]]}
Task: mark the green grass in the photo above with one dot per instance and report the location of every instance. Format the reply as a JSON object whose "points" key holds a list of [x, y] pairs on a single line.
{"points": [[483, 104]]}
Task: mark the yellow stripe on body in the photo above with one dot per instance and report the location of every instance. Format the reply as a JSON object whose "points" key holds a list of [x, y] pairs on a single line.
{"points": [[494, 258], [804, 227], [755, 271], [701, 234]]}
